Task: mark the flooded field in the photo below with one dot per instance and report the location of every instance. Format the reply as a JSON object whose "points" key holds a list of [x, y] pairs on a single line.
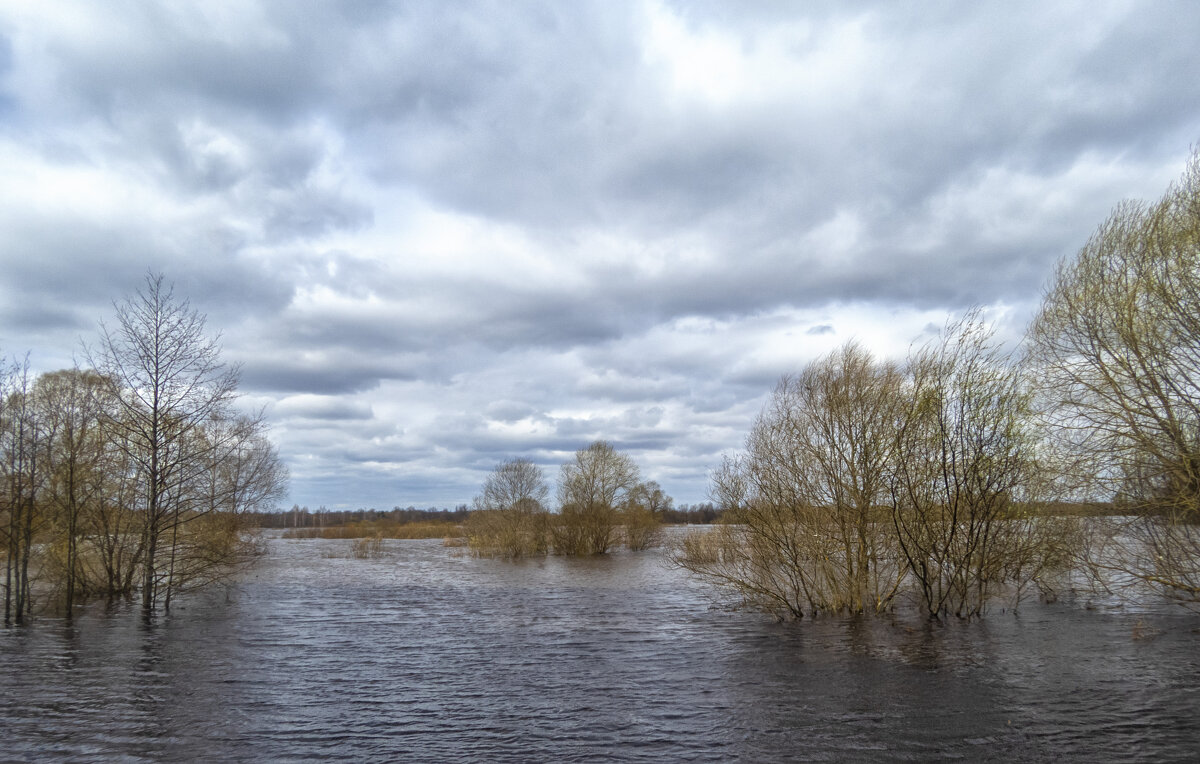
{"points": [[428, 655]]}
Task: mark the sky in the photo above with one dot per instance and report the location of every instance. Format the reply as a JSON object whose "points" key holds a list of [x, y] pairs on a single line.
{"points": [[436, 236]]}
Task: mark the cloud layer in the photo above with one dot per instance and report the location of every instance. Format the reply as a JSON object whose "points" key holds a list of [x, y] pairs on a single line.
{"points": [[438, 236]]}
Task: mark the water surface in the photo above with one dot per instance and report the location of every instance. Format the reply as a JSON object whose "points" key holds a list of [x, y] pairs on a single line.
{"points": [[426, 655]]}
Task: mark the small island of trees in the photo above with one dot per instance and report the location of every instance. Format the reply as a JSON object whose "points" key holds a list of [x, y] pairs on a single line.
{"points": [[602, 500]]}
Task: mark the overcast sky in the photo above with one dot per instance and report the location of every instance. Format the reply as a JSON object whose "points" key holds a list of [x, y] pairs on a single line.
{"points": [[439, 235]]}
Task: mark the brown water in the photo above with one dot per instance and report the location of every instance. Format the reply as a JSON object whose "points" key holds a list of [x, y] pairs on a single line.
{"points": [[428, 656]]}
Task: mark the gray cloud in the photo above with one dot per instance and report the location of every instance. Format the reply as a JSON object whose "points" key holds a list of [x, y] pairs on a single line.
{"points": [[436, 237], [322, 408], [322, 375]]}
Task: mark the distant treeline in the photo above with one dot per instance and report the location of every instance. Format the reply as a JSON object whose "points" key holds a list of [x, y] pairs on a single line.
{"points": [[303, 517]]}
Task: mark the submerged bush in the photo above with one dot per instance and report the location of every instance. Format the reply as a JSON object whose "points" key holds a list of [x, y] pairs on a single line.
{"points": [[1117, 349], [642, 528], [367, 548], [520, 531], [509, 519]]}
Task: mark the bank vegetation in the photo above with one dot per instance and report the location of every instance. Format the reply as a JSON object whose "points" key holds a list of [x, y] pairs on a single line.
{"points": [[957, 477], [134, 477]]}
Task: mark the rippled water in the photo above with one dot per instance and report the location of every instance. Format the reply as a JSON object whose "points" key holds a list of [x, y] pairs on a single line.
{"points": [[425, 655]]}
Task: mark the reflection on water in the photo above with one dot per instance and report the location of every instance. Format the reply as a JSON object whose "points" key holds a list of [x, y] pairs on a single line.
{"points": [[425, 655]]}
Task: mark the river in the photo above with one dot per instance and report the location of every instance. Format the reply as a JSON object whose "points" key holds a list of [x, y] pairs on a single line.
{"points": [[427, 654]]}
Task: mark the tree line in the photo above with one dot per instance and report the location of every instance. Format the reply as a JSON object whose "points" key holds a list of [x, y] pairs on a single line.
{"points": [[602, 504], [865, 479], [302, 517], [134, 475]]}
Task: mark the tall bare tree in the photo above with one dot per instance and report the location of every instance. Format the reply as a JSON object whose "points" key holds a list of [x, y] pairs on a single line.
{"points": [[966, 473], [10, 511], [172, 382], [22, 445], [1117, 345]]}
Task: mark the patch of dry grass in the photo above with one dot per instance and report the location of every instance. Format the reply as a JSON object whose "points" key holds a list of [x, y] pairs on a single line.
{"points": [[383, 529]]}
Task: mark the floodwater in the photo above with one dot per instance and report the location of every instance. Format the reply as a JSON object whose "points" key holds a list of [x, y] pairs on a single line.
{"points": [[429, 655]]}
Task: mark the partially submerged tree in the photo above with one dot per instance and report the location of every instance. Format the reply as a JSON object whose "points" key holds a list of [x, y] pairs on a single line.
{"points": [[859, 476], [808, 497], [241, 473], [509, 518], [136, 474], [114, 521], [171, 384], [72, 403], [965, 473], [591, 488], [1117, 347], [641, 513], [837, 418], [24, 471], [601, 503]]}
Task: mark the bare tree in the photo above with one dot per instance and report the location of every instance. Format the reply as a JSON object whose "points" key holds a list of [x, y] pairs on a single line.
{"points": [[859, 476], [809, 495], [840, 418], [1117, 345], [590, 489], [729, 484], [71, 403], [171, 382], [509, 518], [113, 519], [966, 474], [656, 499], [11, 506], [240, 473], [22, 444], [514, 483], [641, 514]]}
